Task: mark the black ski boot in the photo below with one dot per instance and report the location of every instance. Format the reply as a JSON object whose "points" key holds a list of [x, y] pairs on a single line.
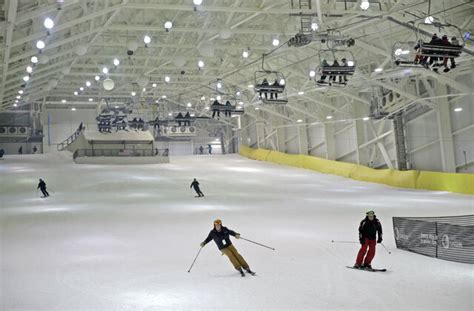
{"points": [[249, 271], [356, 266], [241, 272], [367, 266]]}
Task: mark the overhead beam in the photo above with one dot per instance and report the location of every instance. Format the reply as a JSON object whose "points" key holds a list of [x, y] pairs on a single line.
{"points": [[11, 17]]}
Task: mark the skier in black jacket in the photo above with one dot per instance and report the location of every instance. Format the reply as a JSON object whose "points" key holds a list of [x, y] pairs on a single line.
{"points": [[195, 185], [221, 235], [369, 227], [42, 187]]}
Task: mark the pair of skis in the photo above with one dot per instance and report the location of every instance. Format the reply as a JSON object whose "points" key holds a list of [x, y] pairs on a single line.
{"points": [[367, 269]]}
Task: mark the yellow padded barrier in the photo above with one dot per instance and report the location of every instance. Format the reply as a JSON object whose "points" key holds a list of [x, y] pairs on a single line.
{"points": [[454, 182]]}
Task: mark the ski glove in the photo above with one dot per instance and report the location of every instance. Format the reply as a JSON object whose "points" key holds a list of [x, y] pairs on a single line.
{"points": [[379, 240], [237, 235], [362, 241], [202, 244]]}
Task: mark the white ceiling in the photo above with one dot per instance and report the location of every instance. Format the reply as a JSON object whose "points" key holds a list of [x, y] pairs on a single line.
{"points": [[216, 32]]}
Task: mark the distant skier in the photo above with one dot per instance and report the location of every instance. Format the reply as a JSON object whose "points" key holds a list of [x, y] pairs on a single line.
{"points": [[368, 228], [2, 152], [220, 235], [35, 149], [195, 185], [209, 148], [42, 187], [20, 150]]}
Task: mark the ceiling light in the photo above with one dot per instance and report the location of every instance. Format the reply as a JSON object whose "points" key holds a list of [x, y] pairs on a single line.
{"points": [[314, 26], [245, 54], [105, 70], [458, 109], [157, 101], [256, 108], [18, 97], [200, 64], [29, 69], [48, 23], [207, 108], [167, 79], [350, 63], [300, 93], [116, 107], [170, 114], [366, 118], [40, 44], [147, 39], [429, 20], [73, 109], [275, 42], [211, 99], [197, 2], [97, 78], [133, 93], [219, 85], [241, 103], [312, 73], [26, 78], [192, 114], [238, 93], [91, 99], [88, 83], [299, 120], [329, 117], [203, 97], [76, 93], [378, 69], [15, 105], [20, 92], [63, 101], [282, 81], [218, 97], [405, 52], [398, 52], [81, 89], [250, 86], [364, 5], [16, 101], [34, 59], [116, 62], [164, 96], [144, 90], [154, 85], [189, 105], [168, 25]]}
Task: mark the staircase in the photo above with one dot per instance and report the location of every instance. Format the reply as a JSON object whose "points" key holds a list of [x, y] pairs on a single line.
{"points": [[306, 19]]}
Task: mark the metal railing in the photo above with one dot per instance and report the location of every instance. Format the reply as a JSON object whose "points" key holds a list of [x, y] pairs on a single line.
{"points": [[120, 153], [62, 145]]}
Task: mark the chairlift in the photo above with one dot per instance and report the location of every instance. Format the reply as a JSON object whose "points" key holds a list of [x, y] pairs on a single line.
{"points": [[336, 65], [270, 86], [416, 53]]}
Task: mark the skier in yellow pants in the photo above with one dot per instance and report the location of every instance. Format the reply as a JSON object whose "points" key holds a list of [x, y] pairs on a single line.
{"points": [[221, 235]]}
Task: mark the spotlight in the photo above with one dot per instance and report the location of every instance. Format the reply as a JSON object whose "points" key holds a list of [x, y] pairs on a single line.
{"points": [[167, 79], [312, 73], [245, 54], [275, 42], [105, 70], [26, 78], [48, 23], [29, 69], [88, 83], [116, 62], [34, 59], [364, 5], [97, 78], [40, 44], [168, 26], [314, 26]]}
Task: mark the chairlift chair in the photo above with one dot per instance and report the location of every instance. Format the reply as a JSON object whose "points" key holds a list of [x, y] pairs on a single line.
{"points": [[408, 53], [337, 74], [270, 86]]}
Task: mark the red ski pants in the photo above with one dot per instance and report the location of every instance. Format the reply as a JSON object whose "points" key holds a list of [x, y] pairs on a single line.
{"points": [[369, 255]]}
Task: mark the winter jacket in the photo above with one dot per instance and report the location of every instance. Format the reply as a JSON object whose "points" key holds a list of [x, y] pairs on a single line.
{"points": [[41, 185], [195, 184], [369, 228], [221, 238]]}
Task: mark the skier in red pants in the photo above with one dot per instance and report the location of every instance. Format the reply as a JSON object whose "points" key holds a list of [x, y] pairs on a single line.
{"points": [[369, 227]]}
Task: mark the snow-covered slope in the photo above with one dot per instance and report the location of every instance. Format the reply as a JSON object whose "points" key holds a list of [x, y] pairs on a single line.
{"points": [[123, 237]]}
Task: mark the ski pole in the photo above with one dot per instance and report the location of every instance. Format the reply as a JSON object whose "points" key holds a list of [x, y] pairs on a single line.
{"points": [[195, 260], [333, 241], [257, 243], [386, 248]]}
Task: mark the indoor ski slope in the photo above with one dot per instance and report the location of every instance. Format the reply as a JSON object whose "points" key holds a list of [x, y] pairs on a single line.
{"points": [[123, 237]]}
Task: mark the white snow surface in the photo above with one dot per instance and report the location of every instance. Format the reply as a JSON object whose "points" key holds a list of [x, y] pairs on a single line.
{"points": [[116, 237]]}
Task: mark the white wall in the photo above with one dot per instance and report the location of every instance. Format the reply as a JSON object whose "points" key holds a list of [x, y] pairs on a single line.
{"points": [[63, 123]]}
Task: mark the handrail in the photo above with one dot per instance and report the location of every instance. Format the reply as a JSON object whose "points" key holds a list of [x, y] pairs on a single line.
{"points": [[62, 145], [121, 153]]}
